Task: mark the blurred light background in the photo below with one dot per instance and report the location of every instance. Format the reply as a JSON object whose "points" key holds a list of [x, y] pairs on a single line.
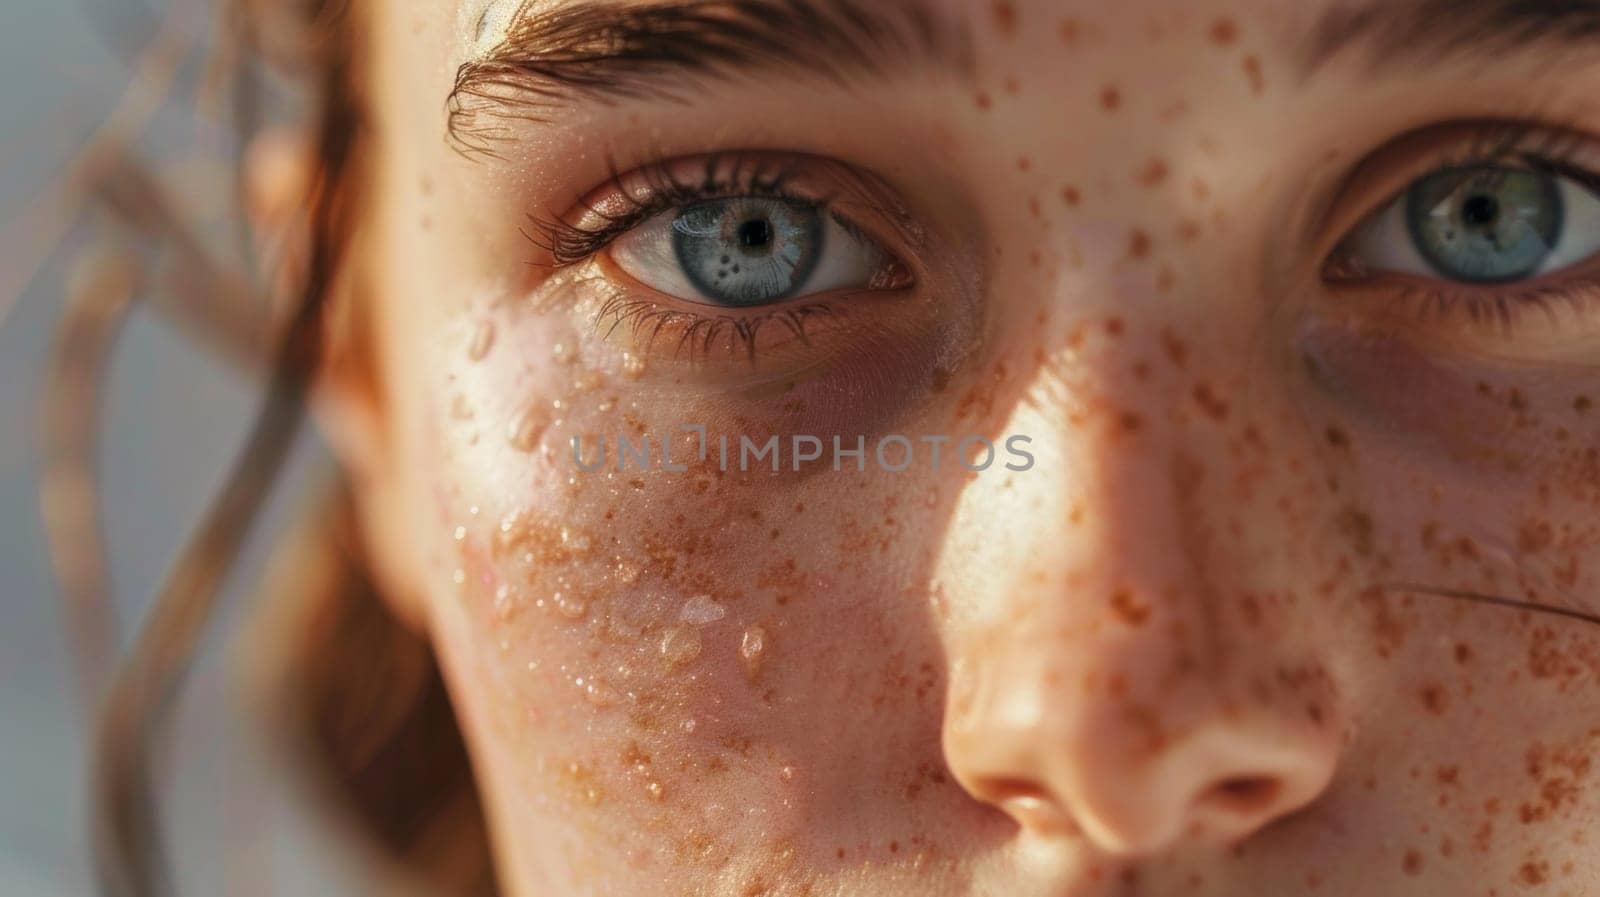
{"points": [[174, 419]]}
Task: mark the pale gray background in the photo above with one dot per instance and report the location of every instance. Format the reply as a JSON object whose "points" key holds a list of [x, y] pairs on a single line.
{"points": [[174, 419]]}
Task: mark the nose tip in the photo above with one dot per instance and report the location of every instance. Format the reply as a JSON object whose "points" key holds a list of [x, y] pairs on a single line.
{"points": [[1218, 783]]}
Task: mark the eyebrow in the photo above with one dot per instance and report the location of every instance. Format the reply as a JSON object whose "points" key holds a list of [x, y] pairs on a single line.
{"points": [[589, 50], [1395, 33]]}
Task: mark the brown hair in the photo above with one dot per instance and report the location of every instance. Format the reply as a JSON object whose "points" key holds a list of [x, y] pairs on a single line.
{"points": [[360, 695]]}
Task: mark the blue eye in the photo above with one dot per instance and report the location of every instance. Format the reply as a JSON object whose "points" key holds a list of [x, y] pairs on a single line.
{"points": [[747, 251], [1486, 224]]}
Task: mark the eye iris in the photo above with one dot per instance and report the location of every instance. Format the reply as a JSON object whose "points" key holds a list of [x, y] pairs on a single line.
{"points": [[747, 251], [1485, 225]]}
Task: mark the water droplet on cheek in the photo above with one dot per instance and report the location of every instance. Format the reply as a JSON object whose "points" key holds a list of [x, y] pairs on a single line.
{"points": [[482, 341], [701, 610], [570, 606], [680, 645], [506, 602], [753, 651], [527, 427], [600, 693]]}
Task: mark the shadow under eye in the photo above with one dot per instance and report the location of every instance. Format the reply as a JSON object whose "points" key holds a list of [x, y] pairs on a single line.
{"points": [[1494, 422]]}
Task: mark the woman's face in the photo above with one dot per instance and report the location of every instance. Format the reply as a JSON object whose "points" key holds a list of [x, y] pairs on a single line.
{"points": [[1281, 321]]}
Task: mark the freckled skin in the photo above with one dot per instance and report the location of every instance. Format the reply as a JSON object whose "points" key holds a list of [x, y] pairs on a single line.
{"points": [[1202, 647]]}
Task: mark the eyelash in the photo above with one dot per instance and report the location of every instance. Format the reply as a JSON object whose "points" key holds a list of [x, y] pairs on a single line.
{"points": [[570, 243]]}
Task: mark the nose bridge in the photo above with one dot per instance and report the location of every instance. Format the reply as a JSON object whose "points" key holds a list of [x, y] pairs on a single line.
{"points": [[1098, 690]]}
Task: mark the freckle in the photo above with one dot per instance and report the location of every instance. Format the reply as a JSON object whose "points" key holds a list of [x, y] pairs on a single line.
{"points": [[1115, 326], [1176, 349], [1034, 258], [1224, 32], [1412, 864], [1005, 18], [1154, 173], [1034, 208], [1068, 31], [983, 101], [1213, 405], [1130, 422], [894, 846], [1337, 437], [1012, 85], [1141, 371], [1138, 244], [1024, 163], [1252, 70], [1165, 280], [1110, 98], [1188, 230], [1434, 699], [1582, 404], [1200, 189], [1128, 608], [1463, 653], [1071, 196]]}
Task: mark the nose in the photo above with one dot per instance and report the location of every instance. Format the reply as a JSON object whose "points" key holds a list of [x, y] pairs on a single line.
{"points": [[1109, 772], [1127, 667]]}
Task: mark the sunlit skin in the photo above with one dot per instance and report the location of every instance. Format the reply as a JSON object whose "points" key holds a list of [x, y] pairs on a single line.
{"points": [[1206, 645]]}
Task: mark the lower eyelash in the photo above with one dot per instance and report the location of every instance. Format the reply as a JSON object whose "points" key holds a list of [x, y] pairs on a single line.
{"points": [[1500, 313], [699, 332]]}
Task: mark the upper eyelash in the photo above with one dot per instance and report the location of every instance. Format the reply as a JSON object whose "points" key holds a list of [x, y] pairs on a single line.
{"points": [[568, 243]]}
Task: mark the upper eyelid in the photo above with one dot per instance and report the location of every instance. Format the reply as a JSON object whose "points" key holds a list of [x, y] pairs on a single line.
{"points": [[568, 239]]}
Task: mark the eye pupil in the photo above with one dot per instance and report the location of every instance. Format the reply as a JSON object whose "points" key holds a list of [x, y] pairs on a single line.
{"points": [[1480, 211], [756, 234]]}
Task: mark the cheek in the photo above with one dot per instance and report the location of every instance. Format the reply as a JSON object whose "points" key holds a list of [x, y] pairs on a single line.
{"points": [[1471, 476], [641, 642]]}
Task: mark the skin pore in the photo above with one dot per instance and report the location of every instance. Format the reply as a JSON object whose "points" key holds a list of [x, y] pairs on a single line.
{"points": [[1226, 636]]}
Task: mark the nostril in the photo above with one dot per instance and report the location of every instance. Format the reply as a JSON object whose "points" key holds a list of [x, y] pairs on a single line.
{"points": [[1001, 790], [1027, 802], [1244, 795]]}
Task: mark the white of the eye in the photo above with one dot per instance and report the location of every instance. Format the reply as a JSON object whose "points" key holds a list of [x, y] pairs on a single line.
{"points": [[1384, 243], [647, 255], [1580, 227]]}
